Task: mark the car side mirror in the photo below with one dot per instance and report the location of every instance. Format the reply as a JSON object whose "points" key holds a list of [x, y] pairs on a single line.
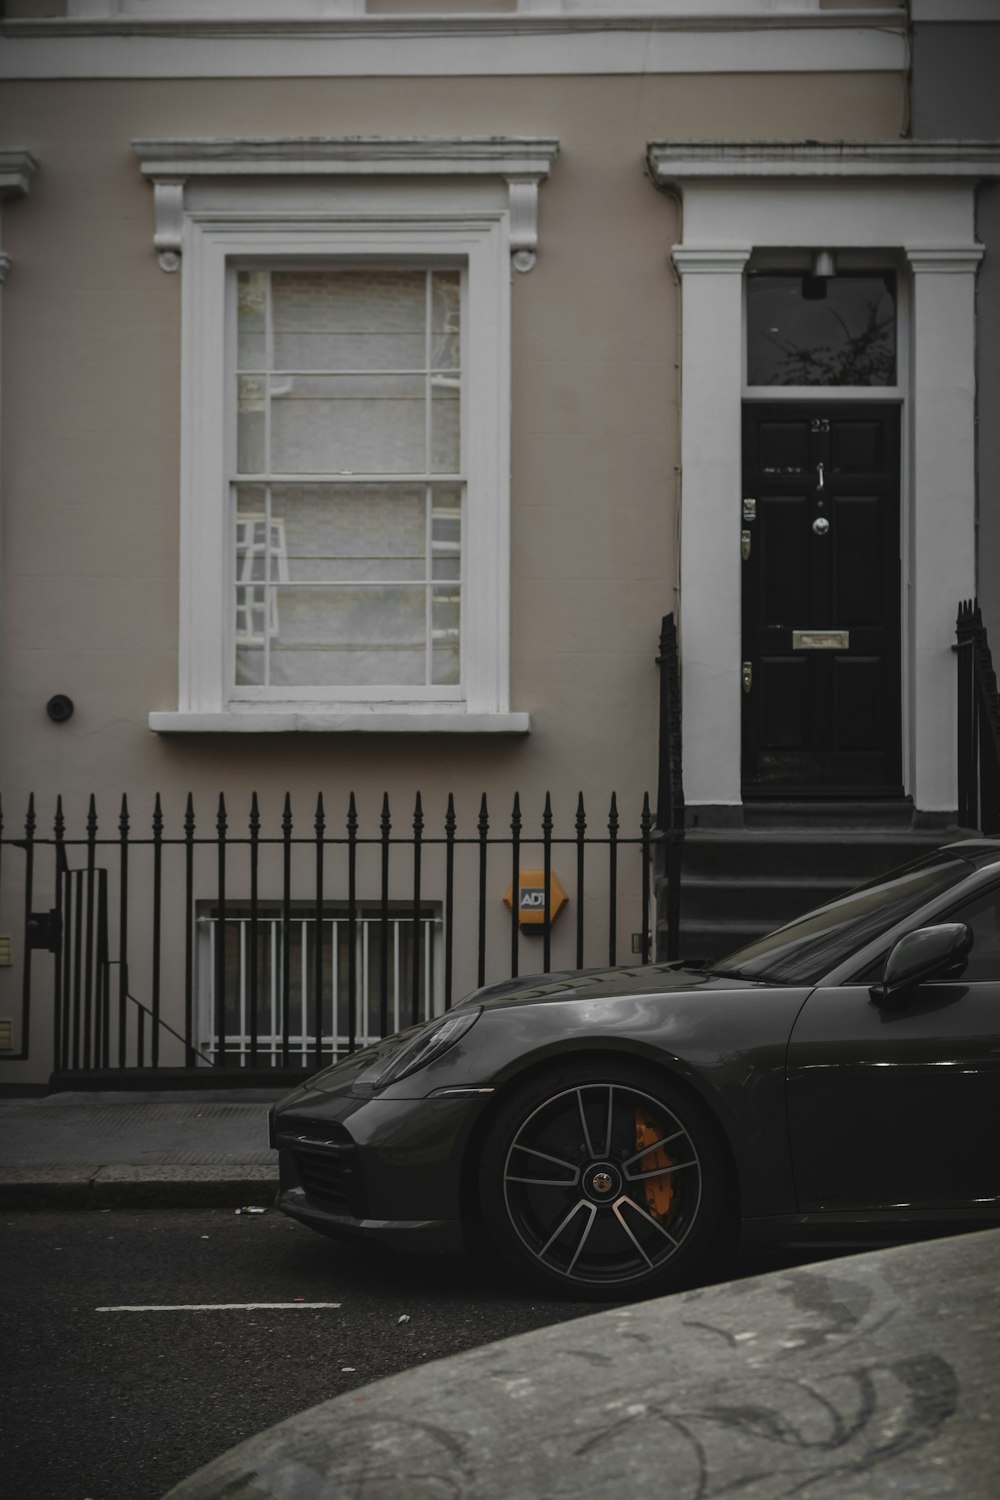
{"points": [[929, 953]]}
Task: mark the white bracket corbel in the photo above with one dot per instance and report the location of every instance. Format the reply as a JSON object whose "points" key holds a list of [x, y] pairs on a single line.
{"points": [[168, 207], [523, 202], [16, 171]]}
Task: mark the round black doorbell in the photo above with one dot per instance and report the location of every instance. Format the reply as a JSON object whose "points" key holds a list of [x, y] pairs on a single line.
{"points": [[59, 708]]}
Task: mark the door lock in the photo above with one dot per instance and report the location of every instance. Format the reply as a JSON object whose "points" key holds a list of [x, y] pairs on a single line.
{"points": [[746, 676], [745, 545]]}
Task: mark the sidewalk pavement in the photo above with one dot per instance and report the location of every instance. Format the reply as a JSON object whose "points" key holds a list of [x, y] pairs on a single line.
{"points": [[137, 1150]]}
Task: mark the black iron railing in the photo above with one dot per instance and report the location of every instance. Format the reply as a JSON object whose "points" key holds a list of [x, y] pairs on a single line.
{"points": [[670, 788], [248, 943], [978, 724]]}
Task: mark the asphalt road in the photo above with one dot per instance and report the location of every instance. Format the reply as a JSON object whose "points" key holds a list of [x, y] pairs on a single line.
{"points": [[120, 1405]]}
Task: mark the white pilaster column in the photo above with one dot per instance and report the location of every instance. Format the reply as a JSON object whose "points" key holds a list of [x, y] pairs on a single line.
{"points": [[711, 396], [942, 536]]}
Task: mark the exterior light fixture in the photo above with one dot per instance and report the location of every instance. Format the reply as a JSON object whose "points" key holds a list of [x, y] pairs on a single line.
{"points": [[814, 284]]}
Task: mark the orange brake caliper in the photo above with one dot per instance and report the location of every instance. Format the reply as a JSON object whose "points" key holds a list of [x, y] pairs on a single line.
{"points": [[659, 1190]]}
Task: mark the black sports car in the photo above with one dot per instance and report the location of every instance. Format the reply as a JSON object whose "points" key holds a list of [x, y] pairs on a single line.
{"points": [[837, 1081]]}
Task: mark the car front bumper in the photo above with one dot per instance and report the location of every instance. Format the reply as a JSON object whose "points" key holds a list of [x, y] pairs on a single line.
{"points": [[382, 1169]]}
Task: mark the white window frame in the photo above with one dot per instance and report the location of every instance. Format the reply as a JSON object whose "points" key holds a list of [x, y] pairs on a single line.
{"points": [[460, 202]]}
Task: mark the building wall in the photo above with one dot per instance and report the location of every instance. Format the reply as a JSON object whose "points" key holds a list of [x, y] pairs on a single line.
{"points": [[91, 443], [91, 456], [955, 96]]}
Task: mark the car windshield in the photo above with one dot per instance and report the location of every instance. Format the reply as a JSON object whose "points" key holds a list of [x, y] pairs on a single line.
{"points": [[804, 950]]}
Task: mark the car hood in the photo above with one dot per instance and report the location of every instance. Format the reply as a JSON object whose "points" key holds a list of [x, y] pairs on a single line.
{"points": [[601, 984]]}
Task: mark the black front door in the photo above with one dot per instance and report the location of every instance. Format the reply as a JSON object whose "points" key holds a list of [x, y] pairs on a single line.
{"points": [[821, 607]]}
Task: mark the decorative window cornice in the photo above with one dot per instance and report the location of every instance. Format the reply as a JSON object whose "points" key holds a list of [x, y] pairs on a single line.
{"points": [[673, 163], [521, 161]]}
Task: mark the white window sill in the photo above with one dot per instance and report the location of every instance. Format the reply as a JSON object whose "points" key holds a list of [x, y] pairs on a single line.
{"points": [[343, 720]]}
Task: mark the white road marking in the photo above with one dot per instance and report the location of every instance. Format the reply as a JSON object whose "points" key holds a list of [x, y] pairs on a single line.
{"points": [[216, 1307]]}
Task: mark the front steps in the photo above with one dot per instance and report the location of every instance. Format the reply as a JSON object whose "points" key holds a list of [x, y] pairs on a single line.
{"points": [[738, 883]]}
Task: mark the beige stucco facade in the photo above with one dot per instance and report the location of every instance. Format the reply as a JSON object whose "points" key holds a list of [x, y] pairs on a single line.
{"points": [[92, 442]]}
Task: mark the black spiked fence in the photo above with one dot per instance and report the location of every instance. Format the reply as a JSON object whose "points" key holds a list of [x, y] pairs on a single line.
{"points": [[978, 723], [252, 947]]}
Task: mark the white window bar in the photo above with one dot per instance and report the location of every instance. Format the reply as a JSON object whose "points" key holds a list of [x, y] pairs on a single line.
{"points": [[335, 1027]]}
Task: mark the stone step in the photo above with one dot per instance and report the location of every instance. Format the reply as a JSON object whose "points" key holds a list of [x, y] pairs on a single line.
{"points": [[847, 855], [737, 884], [872, 814], [771, 901]]}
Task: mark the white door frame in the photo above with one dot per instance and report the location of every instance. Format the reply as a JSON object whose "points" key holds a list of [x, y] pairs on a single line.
{"points": [[914, 204]]}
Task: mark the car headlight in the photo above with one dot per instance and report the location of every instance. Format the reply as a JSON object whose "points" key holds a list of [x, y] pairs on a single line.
{"points": [[426, 1046]]}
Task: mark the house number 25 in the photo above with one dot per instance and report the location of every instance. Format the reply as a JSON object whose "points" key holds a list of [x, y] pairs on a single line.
{"points": [[819, 424]]}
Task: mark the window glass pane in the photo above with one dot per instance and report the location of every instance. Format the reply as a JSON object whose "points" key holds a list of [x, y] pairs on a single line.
{"points": [[250, 425], [249, 665], [445, 320], [251, 590], [445, 425], [836, 330], [347, 424], [445, 625], [345, 533], [446, 533], [349, 320], [251, 297], [341, 583], [349, 636]]}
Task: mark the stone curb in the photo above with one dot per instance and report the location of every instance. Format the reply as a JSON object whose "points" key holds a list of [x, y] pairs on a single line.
{"points": [[136, 1187]]}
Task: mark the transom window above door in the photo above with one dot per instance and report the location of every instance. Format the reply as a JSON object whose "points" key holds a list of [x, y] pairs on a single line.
{"points": [[347, 494], [830, 330]]}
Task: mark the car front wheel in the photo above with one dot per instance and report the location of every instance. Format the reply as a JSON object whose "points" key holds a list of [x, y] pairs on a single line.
{"points": [[602, 1180]]}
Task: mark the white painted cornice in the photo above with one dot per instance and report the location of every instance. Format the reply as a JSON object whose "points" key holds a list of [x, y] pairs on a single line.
{"points": [[676, 163], [521, 161], [307, 17], [694, 260], [947, 260], [293, 41], [503, 156]]}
